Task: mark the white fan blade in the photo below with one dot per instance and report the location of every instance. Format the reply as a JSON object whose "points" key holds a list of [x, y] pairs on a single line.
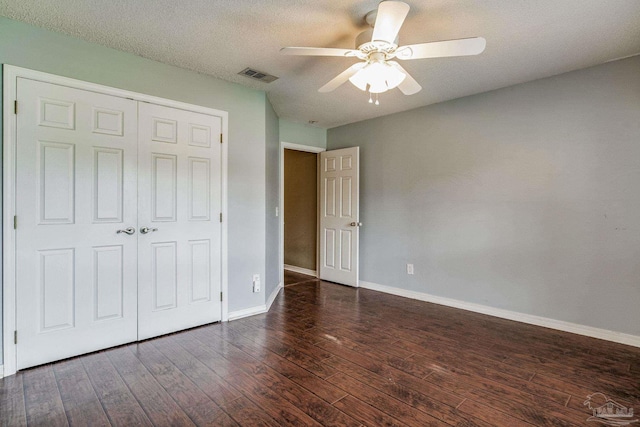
{"points": [[342, 77], [459, 47], [408, 86], [317, 51], [391, 15]]}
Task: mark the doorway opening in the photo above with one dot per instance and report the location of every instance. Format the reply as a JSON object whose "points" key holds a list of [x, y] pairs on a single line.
{"points": [[299, 213]]}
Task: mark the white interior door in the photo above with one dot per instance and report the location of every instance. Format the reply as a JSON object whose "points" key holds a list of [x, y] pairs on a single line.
{"points": [[75, 188], [339, 215], [179, 203]]}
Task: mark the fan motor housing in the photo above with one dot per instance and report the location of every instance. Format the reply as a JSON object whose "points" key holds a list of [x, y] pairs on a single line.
{"points": [[366, 45]]}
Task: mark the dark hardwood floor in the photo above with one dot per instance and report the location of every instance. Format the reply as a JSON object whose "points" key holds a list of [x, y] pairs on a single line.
{"points": [[293, 278], [332, 355]]}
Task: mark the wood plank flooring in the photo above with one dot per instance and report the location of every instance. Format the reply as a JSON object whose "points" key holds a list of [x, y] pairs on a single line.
{"points": [[335, 356], [294, 278]]}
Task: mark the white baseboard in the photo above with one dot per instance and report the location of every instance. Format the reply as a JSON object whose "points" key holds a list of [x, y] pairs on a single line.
{"points": [[273, 296], [251, 311], [1, 371], [546, 322], [258, 309], [301, 270]]}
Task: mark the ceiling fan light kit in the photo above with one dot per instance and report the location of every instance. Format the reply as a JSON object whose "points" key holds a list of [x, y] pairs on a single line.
{"points": [[378, 46], [377, 76]]}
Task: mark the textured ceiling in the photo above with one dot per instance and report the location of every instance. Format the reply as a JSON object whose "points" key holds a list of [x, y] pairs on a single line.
{"points": [[526, 40]]}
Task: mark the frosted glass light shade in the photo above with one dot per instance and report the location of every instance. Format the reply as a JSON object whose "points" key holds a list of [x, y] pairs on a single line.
{"points": [[377, 77]]}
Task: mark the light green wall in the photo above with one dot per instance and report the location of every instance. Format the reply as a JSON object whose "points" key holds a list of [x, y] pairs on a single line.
{"points": [[272, 144], [524, 198], [31, 47], [297, 133]]}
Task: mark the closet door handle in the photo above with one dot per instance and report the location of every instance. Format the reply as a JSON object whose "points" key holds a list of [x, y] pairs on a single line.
{"points": [[128, 230], [145, 230]]}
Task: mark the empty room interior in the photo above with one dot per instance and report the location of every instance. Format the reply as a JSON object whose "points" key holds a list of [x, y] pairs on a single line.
{"points": [[320, 213]]}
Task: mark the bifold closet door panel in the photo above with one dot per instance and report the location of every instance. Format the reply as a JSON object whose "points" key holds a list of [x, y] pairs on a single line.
{"points": [[76, 275], [179, 205]]}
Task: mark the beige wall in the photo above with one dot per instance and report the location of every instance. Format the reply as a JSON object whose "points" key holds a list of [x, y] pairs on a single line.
{"points": [[300, 208]]}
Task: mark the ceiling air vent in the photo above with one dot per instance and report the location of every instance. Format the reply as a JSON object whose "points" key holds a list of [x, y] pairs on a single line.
{"points": [[258, 75]]}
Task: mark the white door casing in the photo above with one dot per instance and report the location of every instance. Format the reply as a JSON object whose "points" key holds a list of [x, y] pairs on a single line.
{"points": [[179, 193], [75, 187], [339, 215]]}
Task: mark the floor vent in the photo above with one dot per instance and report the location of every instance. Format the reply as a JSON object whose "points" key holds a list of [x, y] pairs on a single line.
{"points": [[258, 75]]}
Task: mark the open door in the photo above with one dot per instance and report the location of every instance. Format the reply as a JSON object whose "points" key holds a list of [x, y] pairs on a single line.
{"points": [[339, 215]]}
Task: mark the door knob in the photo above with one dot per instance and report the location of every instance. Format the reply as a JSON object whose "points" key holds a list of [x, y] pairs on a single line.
{"points": [[356, 224], [145, 230], [128, 230]]}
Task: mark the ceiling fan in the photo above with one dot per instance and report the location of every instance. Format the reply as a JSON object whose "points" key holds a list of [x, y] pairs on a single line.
{"points": [[378, 46]]}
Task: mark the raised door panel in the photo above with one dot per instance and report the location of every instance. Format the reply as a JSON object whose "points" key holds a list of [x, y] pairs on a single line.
{"points": [[199, 189], [107, 184], [330, 248], [164, 280], [345, 250], [56, 179], [108, 282], [165, 130], [330, 197], [164, 187], [329, 164], [108, 122], [57, 289], [57, 113], [346, 204], [200, 270], [199, 135], [346, 162]]}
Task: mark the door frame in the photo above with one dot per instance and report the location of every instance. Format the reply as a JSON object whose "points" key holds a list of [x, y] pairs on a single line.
{"points": [[297, 147], [9, 119]]}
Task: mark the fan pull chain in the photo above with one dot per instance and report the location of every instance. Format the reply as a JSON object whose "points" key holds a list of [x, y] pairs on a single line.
{"points": [[377, 102], [370, 99]]}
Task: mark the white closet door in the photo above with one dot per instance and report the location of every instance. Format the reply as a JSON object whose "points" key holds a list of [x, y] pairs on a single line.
{"points": [[76, 187], [179, 203], [339, 215]]}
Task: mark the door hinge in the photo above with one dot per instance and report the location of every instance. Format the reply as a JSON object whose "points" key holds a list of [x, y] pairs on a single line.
{"points": [[220, 138], [15, 337], [220, 296], [15, 222], [220, 216], [15, 107]]}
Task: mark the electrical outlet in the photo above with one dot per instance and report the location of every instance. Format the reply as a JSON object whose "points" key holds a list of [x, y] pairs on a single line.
{"points": [[256, 283], [409, 268]]}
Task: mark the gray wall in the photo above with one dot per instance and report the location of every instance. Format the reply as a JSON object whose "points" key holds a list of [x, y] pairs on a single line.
{"points": [[272, 174], [525, 198], [30, 47]]}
